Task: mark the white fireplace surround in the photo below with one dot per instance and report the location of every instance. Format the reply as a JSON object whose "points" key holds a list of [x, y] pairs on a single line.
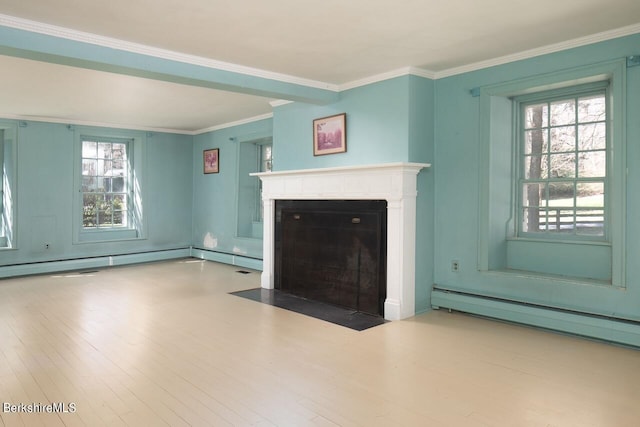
{"points": [[394, 182]]}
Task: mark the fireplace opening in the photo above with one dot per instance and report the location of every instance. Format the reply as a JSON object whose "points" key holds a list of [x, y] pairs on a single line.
{"points": [[332, 251]]}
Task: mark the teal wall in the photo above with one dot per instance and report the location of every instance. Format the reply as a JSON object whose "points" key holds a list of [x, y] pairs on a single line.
{"points": [[377, 128], [215, 195], [44, 194], [458, 197]]}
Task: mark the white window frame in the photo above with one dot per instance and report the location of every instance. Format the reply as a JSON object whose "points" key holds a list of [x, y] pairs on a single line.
{"points": [[136, 223]]}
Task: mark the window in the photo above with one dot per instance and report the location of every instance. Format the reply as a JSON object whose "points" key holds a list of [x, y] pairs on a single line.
{"points": [[253, 156], [563, 165], [8, 134], [553, 175], [109, 183], [105, 183]]}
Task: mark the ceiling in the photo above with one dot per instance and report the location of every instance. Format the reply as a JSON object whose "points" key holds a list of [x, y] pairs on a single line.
{"points": [[335, 42]]}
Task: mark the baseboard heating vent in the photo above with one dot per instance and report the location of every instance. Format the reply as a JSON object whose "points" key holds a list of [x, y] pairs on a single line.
{"points": [[607, 328]]}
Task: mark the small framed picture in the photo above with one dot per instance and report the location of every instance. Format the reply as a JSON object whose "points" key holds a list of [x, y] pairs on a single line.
{"points": [[211, 159], [330, 135]]}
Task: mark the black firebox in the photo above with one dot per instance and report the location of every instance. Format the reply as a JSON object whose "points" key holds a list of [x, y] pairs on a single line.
{"points": [[333, 251]]}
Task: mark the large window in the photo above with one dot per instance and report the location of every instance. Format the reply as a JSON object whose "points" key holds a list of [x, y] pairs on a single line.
{"points": [[563, 167], [105, 183], [109, 184]]}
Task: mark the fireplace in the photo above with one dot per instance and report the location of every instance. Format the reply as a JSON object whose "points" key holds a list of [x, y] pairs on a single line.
{"points": [[332, 251], [394, 183]]}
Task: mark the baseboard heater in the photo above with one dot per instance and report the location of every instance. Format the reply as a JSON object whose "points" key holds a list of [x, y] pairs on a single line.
{"points": [[589, 325], [227, 258]]}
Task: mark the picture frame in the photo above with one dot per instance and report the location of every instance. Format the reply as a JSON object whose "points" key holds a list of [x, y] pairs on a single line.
{"points": [[330, 135], [211, 160]]}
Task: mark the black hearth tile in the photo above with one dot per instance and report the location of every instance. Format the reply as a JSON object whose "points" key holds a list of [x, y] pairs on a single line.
{"points": [[338, 315]]}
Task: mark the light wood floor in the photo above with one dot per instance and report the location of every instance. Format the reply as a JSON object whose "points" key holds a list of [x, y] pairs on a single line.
{"points": [[165, 344]]}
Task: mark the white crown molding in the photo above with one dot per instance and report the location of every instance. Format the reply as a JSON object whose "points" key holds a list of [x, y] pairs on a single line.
{"points": [[132, 127], [386, 76], [83, 37], [531, 53], [232, 124], [279, 103], [95, 124]]}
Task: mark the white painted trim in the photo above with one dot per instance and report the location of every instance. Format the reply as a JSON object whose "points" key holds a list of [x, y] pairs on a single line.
{"points": [[96, 124], [394, 182], [387, 76], [532, 53], [138, 128], [232, 124], [279, 103], [83, 37]]}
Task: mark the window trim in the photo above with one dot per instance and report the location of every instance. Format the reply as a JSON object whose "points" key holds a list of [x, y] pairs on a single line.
{"points": [[137, 229], [496, 228]]}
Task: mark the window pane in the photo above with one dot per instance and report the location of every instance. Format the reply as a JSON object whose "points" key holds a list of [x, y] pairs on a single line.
{"points": [[89, 184], [89, 167], [562, 165], [536, 167], [592, 136], [534, 220], [592, 164], [591, 109], [534, 194], [104, 218], [563, 112], [561, 194], [119, 151], [561, 220], [563, 139], [590, 222], [89, 149], [536, 116], [590, 194], [104, 150], [536, 141]]}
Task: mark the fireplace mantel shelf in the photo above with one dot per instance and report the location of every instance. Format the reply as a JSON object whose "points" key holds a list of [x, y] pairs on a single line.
{"points": [[394, 182], [343, 169]]}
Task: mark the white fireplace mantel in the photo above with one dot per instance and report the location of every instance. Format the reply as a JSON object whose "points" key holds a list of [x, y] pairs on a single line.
{"points": [[394, 182]]}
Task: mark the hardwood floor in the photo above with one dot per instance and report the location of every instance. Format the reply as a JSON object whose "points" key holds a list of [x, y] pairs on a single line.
{"points": [[165, 344]]}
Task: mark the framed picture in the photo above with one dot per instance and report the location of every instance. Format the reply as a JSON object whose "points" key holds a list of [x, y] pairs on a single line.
{"points": [[211, 159], [330, 135]]}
